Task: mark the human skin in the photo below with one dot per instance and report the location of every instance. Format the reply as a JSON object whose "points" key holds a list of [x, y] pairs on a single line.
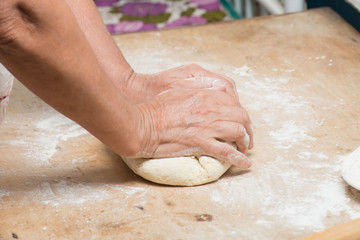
{"points": [[51, 51], [115, 66]]}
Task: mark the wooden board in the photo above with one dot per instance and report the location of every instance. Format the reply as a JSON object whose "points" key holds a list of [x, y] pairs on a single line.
{"points": [[301, 88], [346, 231]]}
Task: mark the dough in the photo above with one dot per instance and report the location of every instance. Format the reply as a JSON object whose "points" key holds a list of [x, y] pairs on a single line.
{"points": [[180, 171], [351, 169], [183, 171]]}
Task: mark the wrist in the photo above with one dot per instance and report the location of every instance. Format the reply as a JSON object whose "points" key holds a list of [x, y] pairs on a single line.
{"points": [[146, 133], [140, 88]]}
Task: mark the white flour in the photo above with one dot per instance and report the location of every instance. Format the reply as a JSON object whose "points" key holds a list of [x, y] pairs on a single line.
{"points": [[51, 129], [4, 193], [277, 187], [289, 134], [63, 127]]}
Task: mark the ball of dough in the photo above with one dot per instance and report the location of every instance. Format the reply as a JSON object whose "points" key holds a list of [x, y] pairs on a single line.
{"points": [[178, 171], [181, 171]]}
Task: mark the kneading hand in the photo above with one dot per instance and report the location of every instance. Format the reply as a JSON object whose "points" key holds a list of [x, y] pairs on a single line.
{"points": [[184, 122], [144, 87]]}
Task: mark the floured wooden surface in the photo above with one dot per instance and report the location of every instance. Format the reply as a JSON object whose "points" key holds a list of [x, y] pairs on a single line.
{"points": [[301, 87]]}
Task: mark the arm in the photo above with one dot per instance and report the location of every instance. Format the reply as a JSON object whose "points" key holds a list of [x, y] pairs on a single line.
{"points": [[127, 81], [46, 50], [104, 47]]}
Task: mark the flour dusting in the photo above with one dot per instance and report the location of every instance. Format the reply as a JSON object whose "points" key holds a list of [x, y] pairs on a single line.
{"points": [[289, 134], [51, 129], [4, 193], [63, 127]]}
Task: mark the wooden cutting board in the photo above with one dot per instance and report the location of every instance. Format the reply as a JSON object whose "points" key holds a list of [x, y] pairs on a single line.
{"points": [[346, 231], [298, 77]]}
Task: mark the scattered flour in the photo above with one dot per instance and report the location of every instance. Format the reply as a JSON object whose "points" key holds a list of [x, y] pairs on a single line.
{"points": [[243, 71], [289, 134], [48, 132], [63, 127], [329, 200], [301, 201], [216, 196], [4, 193], [63, 193]]}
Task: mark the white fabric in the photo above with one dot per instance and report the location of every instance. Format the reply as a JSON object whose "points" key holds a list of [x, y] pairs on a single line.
{"points": [[6, 82]]}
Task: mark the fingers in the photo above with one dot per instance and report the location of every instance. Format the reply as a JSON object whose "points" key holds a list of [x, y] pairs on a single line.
{"points": [[216, 149], [214, 106], [198, 114], [194, 72], [225, 152], [200, 83], [251, 136], [209, 106], [230, 85], [237, 115], [231, 132]]}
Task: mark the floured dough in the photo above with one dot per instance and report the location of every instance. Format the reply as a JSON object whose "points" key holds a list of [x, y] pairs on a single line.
{"points": [[183, 171], [178, 171], [351, 169]]}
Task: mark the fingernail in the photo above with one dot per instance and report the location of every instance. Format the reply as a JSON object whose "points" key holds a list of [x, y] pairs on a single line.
{"points": [[246, 139], [240, 161]]}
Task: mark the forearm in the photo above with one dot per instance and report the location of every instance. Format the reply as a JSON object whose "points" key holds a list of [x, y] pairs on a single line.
{"points": [[104, 47], [45, 48], [60, 67]]}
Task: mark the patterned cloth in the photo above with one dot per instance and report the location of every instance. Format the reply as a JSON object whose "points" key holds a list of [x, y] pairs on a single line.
{"points": [[123, 16]]}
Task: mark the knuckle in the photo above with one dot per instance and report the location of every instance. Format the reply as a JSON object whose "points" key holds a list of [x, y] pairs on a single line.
{"points": [[245, 117], [228, 83], [240, 131], [226, 151], [194, 67], [203, 109]]}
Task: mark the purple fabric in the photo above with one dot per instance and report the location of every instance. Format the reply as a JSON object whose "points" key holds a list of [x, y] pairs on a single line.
{"points": [[104, 3], [208, 5], [149, 27], [125, 27], [142, 9], [186, 21], [126, 16], [128, 27], [203, 2]]}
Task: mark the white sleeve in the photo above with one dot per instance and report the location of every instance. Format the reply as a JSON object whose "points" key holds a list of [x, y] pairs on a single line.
{"points": [[6, 82]]}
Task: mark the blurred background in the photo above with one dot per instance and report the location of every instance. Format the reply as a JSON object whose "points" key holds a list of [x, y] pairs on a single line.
{"points": [[125, 16]]}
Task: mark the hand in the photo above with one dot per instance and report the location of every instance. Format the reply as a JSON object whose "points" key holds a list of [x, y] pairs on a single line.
{"points": [[183, 122], [144, 87], [189, 77]]}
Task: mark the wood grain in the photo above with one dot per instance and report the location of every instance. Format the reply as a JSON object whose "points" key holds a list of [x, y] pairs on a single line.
{"points": [[346, 231], [301, 90]]}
